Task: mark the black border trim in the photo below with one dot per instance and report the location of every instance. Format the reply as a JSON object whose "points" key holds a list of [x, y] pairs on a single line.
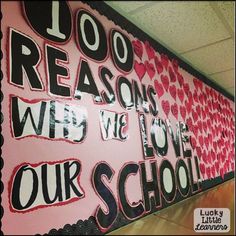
{"points": [[128, 26], [1, 136]]}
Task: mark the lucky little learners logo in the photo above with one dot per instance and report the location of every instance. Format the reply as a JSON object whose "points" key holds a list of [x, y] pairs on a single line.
{"points": [[211, 220]]}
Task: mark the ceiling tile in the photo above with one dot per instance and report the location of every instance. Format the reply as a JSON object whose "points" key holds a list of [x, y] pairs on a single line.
{"points": [[181, 25], [214, 58], [224, 79], [227, 9], [126, 6]]}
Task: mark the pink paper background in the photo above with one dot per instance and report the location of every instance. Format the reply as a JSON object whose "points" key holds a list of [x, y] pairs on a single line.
{"points": [[92, 150]]}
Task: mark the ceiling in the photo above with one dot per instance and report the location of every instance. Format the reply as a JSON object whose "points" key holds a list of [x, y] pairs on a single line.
{"points": [[201, 33]]}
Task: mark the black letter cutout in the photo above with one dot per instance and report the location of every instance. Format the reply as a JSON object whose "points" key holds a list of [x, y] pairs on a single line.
{"points": [[50, 19], [147, 150], [55, 70], [125, 87], [184, 190], [174, 138], [159, 140], [91, 36], [103, 72], [15, 196], [130, 211], [25, 55], [86, 83], [152, 95], [19, 125], [168, 195], [150, 186], [122, 51], [104, 220], [139, 98], [58, 191]]}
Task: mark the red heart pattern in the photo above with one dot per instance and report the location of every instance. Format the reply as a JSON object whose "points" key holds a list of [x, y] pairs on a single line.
{"points": [[209, 115], [159, 88], [140, 69], [165, 82], [174, 110], [166, 107], [150, 69], [172, 89]]}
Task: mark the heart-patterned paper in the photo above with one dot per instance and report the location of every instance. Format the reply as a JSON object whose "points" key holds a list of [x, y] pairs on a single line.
{"points": [[166, 107], [165, 82], [159, 88], [150, 69], [175, 110], [140, 69]]}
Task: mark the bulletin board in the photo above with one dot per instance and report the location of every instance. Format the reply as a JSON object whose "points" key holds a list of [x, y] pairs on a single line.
{"points": [[101, 124]]}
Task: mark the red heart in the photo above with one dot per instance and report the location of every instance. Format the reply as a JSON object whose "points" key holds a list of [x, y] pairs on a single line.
{"points": [[215, 146], [199, 152], [201, 141], [175, 64], [193, 142], [188, 106], [174, 110], [166, 107], [206, 141], [165, 82], [199, 124], [186, 88], [172, 75], [202, 168], [204, 157], [150, 50], [203, 114], [180, 94], [158, 64], [208, 172], [139, 69], [180, 79], [194, 115], [183, 112], [189, 123], [138, 48], [204, 124], [198, 110], [222, 172], [217, 166], [195, 130], [159, 88], [195, 97], [150, 69], [164, 60], [173, 91], [213, 173], [201, 98], [209, 104], [210, 138]]}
